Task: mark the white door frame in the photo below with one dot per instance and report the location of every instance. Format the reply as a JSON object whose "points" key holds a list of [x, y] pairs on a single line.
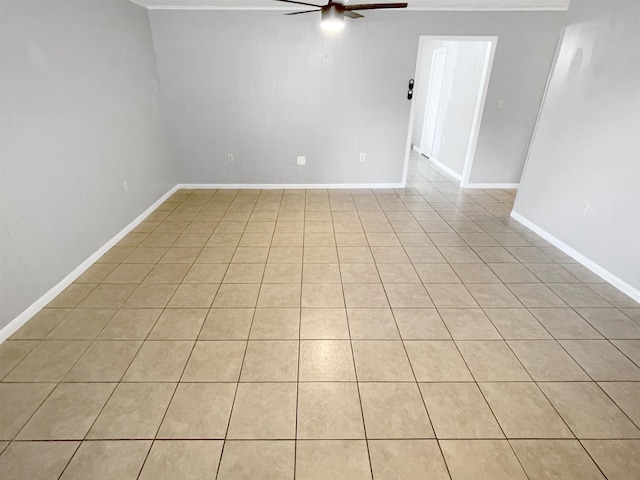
{"points": [[477, 116], [430, 97]]}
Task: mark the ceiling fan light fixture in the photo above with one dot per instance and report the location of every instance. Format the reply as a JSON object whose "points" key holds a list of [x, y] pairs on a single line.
{"points": [[332, 19]]}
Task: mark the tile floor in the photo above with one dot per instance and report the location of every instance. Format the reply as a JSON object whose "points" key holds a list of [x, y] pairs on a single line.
{"points": [[407, 334]]}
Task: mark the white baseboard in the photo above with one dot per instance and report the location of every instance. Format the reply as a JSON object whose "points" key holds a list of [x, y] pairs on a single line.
{"points": [[39, 304], [287, 186], [504, 186], [603, 273], [442, 166], [415, 148]]}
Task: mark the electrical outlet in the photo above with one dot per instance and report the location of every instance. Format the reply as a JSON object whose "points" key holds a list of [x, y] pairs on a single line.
{"points": [[500, 104], [361, 157], [302, 160], [230, 157], [125, 185]]}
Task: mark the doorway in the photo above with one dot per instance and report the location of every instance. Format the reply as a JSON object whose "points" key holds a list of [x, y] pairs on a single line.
{"points": [[451, 83]]}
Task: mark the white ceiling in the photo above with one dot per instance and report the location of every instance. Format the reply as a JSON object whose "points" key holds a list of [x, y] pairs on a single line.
{"points": [[413, 4]]}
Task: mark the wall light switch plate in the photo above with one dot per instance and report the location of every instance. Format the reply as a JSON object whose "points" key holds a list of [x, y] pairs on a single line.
{"points": [[361, 157], [302, 160]]}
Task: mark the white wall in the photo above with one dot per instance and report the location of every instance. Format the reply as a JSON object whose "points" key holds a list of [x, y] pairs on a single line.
{"points": [[587, 141], [267, 87], [79, 114]]}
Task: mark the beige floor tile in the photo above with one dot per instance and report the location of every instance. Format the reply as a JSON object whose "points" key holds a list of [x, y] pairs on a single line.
{"points": [[181, 460], [323, 323], [322, 295], [547, 361], [578, 295], [372, 324], [251, 255], [75, 293], [179, 324], [588, 411], [433, 273], [631, 348], [474, 273], [264, 411], [321, 273], [316, 227], [206, 273], [437, 361], [319, 239], [552, 273], [279, 295], [130, 324], [96, 273], [481, 460], [420, 324], [390, 254], [41, 324], [194, 295], [618, 459], [493, 295], [108, 296], [227, 324], [215, 361], [68, 413], [354, 239], [422, 254], [106, 460], [611, 322], [458, 410], [159, 361], [359, 273], [329, 411], [523, 411], [366, 295], [322, 459], [291, 254], [613, 295], [601, 360], [13, 352], [129, 273], [536, 295], [320, 255], [394, 410], [244, 273], [407, 460], [555, 460], [398, 273], [283, 273], [383, 240], [19, 401], [199, 410], [627, 396], [407, 295], [135, 410], [82, 324], [492, 361], [270, 361], [468, 324], [248, 460], [354, 254], [48, 362], [255, 239], [36, 460], [450, 296], [168, 273], [216, 255], [151, 295], [234, 295], [104, 361], [275, 324], [564, 323], [516, 324], [513, 273], [380, 361], [326, 360], [455, 254]]}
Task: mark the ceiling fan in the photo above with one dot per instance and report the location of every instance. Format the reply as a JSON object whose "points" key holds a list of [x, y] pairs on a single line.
{"points": [[333, 13]]}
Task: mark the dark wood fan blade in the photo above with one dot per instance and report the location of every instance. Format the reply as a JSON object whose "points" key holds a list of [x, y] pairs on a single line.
{"points": [[352, 14], [375, 6], [306, 11], [300, 3]]}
